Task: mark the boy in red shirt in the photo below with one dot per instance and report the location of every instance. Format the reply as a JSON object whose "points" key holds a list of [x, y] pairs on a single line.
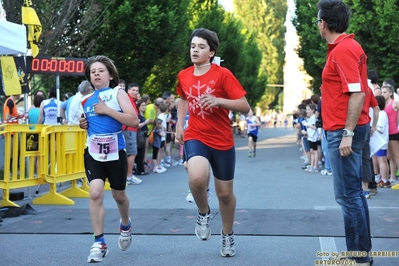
{"points": [[208, 92]]}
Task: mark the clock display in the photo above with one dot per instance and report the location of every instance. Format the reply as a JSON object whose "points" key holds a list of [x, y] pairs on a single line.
{"points": [[56, 65]]}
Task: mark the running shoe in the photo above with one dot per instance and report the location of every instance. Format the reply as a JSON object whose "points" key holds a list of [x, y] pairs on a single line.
{"points": [[133, 180], [228, 248], [386, 184], [158, 170], [190, 197], [125, 239], [97, 252], [202, 227], [373, 191], [325, 172]]}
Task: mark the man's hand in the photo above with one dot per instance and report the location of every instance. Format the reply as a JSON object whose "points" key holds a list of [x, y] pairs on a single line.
{"points": [[345, 148], [83, 124], [372, 130]]}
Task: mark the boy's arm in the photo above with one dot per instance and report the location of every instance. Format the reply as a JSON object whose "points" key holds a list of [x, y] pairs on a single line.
{"points": [[239, 105], [181, 118]]}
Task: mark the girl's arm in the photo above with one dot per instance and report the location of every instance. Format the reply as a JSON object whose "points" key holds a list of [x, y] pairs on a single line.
{"points": [[41, 114], [258, 123], [144, 123]]}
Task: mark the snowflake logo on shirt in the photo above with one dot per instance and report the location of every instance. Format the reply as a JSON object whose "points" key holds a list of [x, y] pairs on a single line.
{"points": [[194, 95]]}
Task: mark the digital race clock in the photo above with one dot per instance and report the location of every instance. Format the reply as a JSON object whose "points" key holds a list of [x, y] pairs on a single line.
{"points": [[56, 65]]}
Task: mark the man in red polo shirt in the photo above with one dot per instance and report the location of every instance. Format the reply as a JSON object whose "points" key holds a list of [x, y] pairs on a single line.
{"points": [[346, 121]]}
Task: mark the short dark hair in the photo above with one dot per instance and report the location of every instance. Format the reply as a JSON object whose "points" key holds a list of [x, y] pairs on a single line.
{"points": [[210, 36], [37, 100], [372, 76], [109, 64], [163, 107], [315, 98], [139, 102], [145, 97], [131, 85], [40, 92], [302, 106], [311, 106], [166, 95], [390, 82], [381, 102], [52, 92], [335, 13]]}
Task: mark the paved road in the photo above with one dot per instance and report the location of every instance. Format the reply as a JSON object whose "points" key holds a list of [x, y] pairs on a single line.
{"points": [[271, 181]]}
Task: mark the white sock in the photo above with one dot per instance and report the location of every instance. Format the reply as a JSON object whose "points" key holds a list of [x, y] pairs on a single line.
{"points": [[377, 178]]}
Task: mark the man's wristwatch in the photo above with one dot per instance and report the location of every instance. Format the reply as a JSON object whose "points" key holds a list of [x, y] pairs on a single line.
{"points": [[347, 133]]}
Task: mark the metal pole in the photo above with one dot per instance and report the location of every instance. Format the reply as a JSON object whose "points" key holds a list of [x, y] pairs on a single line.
{"points": [[57, 86]]}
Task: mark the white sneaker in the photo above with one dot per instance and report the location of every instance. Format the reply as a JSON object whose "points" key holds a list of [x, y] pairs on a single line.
{"points": [[159, 170], [190, 197], [174, 163], [97, 252], [202, 227], [325, 172], [133, 180], [125, 239], [228, 248], [180, 162], [166, 165]]}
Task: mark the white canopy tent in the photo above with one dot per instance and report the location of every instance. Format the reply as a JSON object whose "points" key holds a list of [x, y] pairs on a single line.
{"points": [[13, 38], [13, 41]]}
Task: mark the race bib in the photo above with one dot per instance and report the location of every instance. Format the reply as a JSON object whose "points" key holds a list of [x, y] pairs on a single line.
{"points": [[104, 148]]}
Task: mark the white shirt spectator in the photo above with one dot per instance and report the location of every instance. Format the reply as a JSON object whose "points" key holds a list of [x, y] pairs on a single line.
{"points": [[75, 109]]}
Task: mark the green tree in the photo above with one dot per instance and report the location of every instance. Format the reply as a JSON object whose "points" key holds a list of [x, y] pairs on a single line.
{"points": [[138, 34], [374, 23], [266, 18], [163, 75], [238, 48], [312, 49]]}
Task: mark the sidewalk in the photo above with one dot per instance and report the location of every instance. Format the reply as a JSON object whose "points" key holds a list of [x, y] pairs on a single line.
{"points": [[284, 217]]}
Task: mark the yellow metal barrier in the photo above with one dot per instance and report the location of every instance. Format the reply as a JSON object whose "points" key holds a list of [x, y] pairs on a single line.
{"points": [[22, 144], [62, 159], [44, 154]]}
